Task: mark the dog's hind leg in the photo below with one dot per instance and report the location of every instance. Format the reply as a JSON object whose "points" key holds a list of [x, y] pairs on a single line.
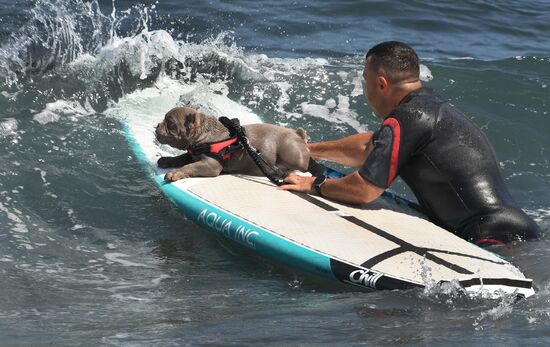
{"points": [[302, 133], [293, 155]]}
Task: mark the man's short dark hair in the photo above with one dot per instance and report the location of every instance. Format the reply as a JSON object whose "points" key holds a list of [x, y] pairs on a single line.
{"points": [[398, 61]]}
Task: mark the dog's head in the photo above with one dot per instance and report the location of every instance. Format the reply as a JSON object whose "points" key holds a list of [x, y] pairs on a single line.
{"points": [[180, 127]]}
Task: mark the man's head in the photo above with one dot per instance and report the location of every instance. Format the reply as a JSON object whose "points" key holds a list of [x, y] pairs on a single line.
{"points": [[391, 72]]}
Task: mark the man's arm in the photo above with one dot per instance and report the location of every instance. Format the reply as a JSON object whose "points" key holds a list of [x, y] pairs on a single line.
{"points": [[349, 151], [351, 189]]}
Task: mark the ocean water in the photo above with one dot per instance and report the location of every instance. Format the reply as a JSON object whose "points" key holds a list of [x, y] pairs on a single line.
{"points": [[91, 253]]}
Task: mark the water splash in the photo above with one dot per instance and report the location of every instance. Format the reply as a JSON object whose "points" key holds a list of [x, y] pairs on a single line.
{"points": [[447, 291], [88, 57], [57, 33], [503, 310]]}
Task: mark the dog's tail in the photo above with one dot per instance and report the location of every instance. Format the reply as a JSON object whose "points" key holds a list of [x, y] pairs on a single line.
{"points": [[302, 133]]}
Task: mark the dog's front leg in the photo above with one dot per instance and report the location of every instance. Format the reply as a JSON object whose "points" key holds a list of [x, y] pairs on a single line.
{"points": [[205, 167], [180, 160]]}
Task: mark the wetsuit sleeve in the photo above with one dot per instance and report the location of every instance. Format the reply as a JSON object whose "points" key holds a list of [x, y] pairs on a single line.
{"points": [[381, 166]]}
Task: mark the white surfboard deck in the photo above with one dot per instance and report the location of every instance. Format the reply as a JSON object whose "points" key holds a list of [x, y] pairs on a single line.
{"points": [[382, 245]]}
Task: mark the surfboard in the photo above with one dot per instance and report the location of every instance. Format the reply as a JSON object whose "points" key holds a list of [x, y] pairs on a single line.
{"points": [[386, 244]]}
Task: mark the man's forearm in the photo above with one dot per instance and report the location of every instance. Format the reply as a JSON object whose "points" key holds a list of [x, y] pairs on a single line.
{"points": [[351, 189], [349, 151]]}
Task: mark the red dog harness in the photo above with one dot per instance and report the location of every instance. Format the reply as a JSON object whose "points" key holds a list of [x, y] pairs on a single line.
{"points": [[221, 150]]}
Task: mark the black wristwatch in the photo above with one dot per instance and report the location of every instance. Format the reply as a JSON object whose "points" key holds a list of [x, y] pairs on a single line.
{"points": [[318, 183]]}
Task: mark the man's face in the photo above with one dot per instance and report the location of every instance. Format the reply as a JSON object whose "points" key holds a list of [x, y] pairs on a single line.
{"points": [[370, 87]]}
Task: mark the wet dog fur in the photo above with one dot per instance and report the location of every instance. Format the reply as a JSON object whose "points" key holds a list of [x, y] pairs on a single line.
{"points": [[184, 127]]}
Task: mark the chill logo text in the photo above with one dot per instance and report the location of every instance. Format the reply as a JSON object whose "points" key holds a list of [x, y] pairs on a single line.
{"points": [[364, 278]]}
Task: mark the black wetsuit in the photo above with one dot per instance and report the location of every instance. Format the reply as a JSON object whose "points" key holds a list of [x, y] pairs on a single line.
{"points": [[451, 168]]}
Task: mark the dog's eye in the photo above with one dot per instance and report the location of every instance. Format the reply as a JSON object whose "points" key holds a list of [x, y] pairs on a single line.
{"points": [[171, 127]]}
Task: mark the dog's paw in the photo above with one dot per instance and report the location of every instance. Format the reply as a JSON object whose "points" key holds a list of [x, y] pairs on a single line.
{"points": [[175, 175]]}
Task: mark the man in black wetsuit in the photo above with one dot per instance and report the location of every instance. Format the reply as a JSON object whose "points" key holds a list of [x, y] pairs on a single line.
{"points": [[443, 156]]}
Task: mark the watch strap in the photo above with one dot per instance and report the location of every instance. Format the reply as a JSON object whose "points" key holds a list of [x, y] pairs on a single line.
{"points": [[318, 183]]}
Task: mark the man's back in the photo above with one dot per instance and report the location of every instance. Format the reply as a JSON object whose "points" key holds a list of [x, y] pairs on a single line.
{"points": [[453, 171]]}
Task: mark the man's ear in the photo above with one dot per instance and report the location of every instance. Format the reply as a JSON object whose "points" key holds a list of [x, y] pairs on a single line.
{"points": [[382, 83]]}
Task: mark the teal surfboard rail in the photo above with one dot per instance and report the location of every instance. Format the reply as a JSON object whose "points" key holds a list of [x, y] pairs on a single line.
{"points": [[244, 233]]}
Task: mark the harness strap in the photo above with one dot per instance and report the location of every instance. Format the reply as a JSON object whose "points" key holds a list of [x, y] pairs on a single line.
{"points": [[235, 129]]}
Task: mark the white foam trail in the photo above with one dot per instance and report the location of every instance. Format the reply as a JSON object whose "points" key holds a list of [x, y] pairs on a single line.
{"points": [[320, 111], [130, 298], [55, 110], [115, 257], [333, 112], [8, 126], [18, 225], [540, 215]]}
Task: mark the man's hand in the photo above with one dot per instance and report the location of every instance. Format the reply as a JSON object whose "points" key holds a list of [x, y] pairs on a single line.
{"points": [[351, 189], [298, 183]]}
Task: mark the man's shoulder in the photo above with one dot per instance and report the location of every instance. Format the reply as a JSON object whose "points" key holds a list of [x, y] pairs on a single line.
{"points": [[421, 106], [420, 99]]}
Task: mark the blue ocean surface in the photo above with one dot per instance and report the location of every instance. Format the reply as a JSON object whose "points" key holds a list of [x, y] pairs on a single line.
{"points": [[92, 253]]}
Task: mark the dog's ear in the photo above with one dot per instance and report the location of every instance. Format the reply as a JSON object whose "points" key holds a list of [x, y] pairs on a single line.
{"points": [[190, 120], [193, 120]]}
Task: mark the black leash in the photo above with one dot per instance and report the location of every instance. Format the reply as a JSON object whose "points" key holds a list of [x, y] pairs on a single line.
{"points": [[235, 129]]}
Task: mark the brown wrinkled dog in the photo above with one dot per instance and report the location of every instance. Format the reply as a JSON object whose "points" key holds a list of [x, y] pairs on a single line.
{"points": [[184, 127]]}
